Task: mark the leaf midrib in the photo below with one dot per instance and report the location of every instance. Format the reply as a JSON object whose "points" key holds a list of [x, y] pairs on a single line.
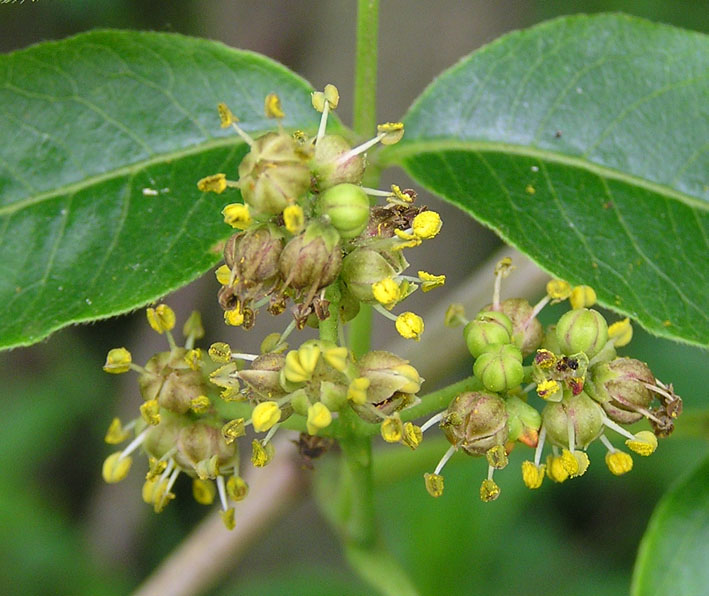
{"points": [[89, 181], [398, 154]]}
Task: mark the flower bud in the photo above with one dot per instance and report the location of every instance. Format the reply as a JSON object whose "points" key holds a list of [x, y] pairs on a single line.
{"points": [[579, 410], [169, 380], [329, 169], [254, 255], [488, 327], [318, 417], [619, 385], [347, 208], [523, 421], [274, 173], [526, 332], [476, 421], [500, 367], [312, 259], [202, 448], [582, 330], [364, 267]]}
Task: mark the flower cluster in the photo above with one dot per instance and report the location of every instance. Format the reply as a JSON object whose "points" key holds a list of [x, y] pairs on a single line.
{"points": [[573, 367], [308, 234]]}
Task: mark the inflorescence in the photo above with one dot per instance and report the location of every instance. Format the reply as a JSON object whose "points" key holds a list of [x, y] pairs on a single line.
{"points": [[311, 239]]}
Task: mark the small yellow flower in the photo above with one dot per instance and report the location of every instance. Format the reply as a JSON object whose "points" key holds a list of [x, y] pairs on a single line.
{"points": [[150, 411], [392, 430], [214, 183], [412, 435], [116, 468], [237, 215], [116, 433], [409, 326], [489, 491], [434, 484], [223, 274], [294, 218], [161, 318], [232, 430], [357, 391], [272, 106], [265, 415], [429, 281], [644, 444], [386, 292], [558, 289], [621, 332], [203, 491], [532, 475], [118, 360], [582, 297], [237, 488], [318, 417], [427, 224], [619, 462]]}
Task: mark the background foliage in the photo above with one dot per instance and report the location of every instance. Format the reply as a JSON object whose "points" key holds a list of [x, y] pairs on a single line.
{"points": [[62, 531]]}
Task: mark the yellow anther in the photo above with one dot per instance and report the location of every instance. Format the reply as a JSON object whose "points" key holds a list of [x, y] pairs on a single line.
{"points": [[582, 461], [116, 468], [223, 274], [570, 463], [116, 433], [332, 95], [234, 317], [148, 490], [155, 467], [392, 131], [318, 417], [337, 358], [294, 218], [161, 318], [308, 355], [261, 455], [644, 443], [497, 457], [228, 518], [215, 183], [621, 332], [582, 297], [412, 435], [504, 267], [237, 488], [118, 360], [434, 484], [237, 215], [232, 430], [489, 491], [265, 415], [532, 475], [220, 352], [160, 495], [294, 371], [357, 391], [392, 430], [555, 469], [193, 358], [545, 359], [409, 326], [203, 491], [200, 404], [558, 289], [272, 107], [619, 462], [225, 115], [549, 389], [150, 411], [427, 224], [386, 292], [404, 197], [429, 281], [411, 377], [207, 468]]}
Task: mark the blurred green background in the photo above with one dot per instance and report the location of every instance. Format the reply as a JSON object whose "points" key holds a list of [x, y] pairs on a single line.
{"points": [[62, 531]]}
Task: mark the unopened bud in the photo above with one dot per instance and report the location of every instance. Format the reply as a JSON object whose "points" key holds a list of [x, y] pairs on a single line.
{"points": [[582, 330]]}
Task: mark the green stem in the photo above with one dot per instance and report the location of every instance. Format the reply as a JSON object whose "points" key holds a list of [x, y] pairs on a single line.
{"points": [[365, 92]]}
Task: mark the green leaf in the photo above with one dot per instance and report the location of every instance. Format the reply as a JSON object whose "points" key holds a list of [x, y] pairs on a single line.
{"points": [[673, 557], [104, 137], [583, 142]]}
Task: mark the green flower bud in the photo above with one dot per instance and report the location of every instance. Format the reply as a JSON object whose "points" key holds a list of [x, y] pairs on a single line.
{"points": [[619, 385], [347, 208], [169, 380], [476, 421], [365, 266], [162, 438], [274, 173], [579, 410], [202, 449], [549, 341], [349, 305], [500, 367], [582, 330], [262, 379], [333, 395], [526, 332], [312, 259], [329, 169], [254, 254], [488, 327], [300, 402]]}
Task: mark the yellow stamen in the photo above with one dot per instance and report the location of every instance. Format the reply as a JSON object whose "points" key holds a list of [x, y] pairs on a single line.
{"points": [[232, 430], [621, 332], [429, 281], [116, 433], [392, 430], [272, 107], [434, 484], [118, 360], [294, 218], [223, 274], [489, 491], [409, 326], [532, 475], [427, 224], [150, 411], [582, 297], [558, 289], [265, 415], [318, 417], [203, 491], [619, 462], [161, 318], [357, 391], [215, 183], [237, 215], [386, 292], [644, 444], [116, 468]]}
